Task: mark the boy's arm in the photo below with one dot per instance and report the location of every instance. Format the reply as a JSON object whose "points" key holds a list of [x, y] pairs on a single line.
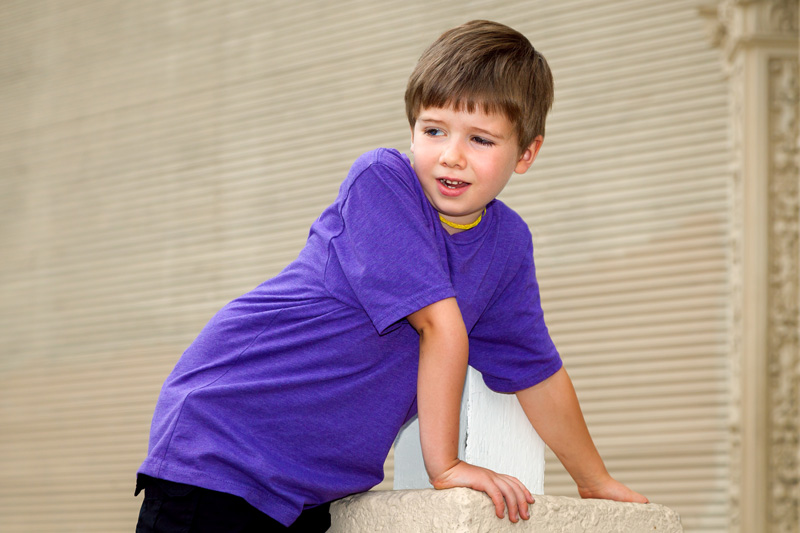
{"points": [[443, 356], [553, 409]]}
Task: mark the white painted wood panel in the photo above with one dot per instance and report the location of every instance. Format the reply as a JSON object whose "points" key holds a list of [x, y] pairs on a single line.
{"points": [[494, 433]]}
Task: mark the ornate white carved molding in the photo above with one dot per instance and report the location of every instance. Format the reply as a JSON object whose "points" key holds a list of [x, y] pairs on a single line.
{"points": [[759, 44], [784, 288], [732, 24]]}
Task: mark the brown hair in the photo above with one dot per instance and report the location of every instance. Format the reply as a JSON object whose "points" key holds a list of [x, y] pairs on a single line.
{"points": [[487, 64]]}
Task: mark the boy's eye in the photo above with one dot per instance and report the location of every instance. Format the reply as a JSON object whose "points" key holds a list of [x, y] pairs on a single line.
{"points": [[433, 131], [482, 141]]}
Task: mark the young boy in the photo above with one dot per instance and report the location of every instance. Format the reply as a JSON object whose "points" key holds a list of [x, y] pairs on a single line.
{"points": [[292, 395]]}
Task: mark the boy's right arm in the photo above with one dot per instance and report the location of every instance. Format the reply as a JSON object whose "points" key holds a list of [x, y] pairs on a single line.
{"points": [[443, 355], [553, 409]]}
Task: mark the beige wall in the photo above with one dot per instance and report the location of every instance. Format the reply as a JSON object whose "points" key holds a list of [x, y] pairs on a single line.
{"points": [[630, 210], [158, 159]]}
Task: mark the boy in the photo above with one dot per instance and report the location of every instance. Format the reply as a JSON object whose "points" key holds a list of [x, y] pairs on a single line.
{"points": [[292, 395]]}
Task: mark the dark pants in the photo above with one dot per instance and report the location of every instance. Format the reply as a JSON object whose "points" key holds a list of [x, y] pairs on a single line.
{"points": [[170, 507]]}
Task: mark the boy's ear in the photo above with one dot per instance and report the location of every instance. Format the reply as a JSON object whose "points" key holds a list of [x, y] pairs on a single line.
{"points": [[529, 155], [412, 139]]}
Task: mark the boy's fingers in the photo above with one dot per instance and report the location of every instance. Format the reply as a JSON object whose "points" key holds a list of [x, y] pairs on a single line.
{"points": [[509, 491], [522, 502], [497, 498], [523, 497]]}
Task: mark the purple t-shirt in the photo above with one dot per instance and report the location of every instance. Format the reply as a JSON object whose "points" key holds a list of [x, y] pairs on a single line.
{"points": [[293, 394]]}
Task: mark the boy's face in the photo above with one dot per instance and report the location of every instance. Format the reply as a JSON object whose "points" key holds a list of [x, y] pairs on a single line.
{"points": [[463, 160]]}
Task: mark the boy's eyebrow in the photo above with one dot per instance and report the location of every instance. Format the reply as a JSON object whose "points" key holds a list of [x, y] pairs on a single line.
{"points": [[423, 118]]}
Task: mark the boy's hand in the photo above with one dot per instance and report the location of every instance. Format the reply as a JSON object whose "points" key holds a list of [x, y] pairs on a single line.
{"points": [[505, 491], [611, 489]]}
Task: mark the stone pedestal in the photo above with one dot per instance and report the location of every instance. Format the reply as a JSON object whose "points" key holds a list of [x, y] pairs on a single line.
{"points": [[496, 434], [466, 511]]}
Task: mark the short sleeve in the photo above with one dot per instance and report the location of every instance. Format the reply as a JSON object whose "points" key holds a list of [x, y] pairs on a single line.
{"points": [[510, 344], [386, 248]]}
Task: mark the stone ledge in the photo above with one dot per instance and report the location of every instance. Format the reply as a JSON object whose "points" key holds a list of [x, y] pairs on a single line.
{"points": [[466, 511]]}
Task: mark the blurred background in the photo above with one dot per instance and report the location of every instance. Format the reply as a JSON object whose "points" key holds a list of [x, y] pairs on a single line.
{"points": [[159, 158]]}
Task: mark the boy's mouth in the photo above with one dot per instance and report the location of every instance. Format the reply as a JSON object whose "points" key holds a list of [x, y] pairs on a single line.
{"points": [[451, 187], [452, 184]]}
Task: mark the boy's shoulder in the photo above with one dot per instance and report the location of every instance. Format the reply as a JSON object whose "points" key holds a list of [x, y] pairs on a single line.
{"points": [[381, 167], [512, 223], [388, 157]]}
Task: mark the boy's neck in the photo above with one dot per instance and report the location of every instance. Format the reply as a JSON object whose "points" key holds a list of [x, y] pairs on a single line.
{"points": [[450, 230]]}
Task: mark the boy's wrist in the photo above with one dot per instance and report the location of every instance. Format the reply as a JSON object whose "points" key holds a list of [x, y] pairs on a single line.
{"points": [[611, 489], [438, 477], [593, 484]]}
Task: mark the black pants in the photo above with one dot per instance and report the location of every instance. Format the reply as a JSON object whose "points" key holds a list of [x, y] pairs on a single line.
{"points": [[170, 507]]}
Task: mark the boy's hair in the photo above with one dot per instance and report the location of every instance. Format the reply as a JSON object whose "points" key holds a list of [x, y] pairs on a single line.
{"points": [[486, 64]]}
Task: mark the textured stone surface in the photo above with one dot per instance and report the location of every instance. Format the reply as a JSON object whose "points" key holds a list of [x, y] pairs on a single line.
{"points": [[467, 511]]}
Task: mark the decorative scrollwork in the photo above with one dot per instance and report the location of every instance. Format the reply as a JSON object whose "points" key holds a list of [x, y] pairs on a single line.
{"points": [[783, 16], [784, 293]]}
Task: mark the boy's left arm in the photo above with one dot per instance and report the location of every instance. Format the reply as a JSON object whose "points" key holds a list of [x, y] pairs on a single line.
{"points": [[443, 356], [553, 409]]}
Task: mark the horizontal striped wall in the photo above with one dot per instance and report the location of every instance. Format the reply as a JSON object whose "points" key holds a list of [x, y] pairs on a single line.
{"points": [[160, 158], [629, 204]]}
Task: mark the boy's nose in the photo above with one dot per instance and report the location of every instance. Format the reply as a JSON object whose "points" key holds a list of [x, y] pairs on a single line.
{"points": [[452, 156]]}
